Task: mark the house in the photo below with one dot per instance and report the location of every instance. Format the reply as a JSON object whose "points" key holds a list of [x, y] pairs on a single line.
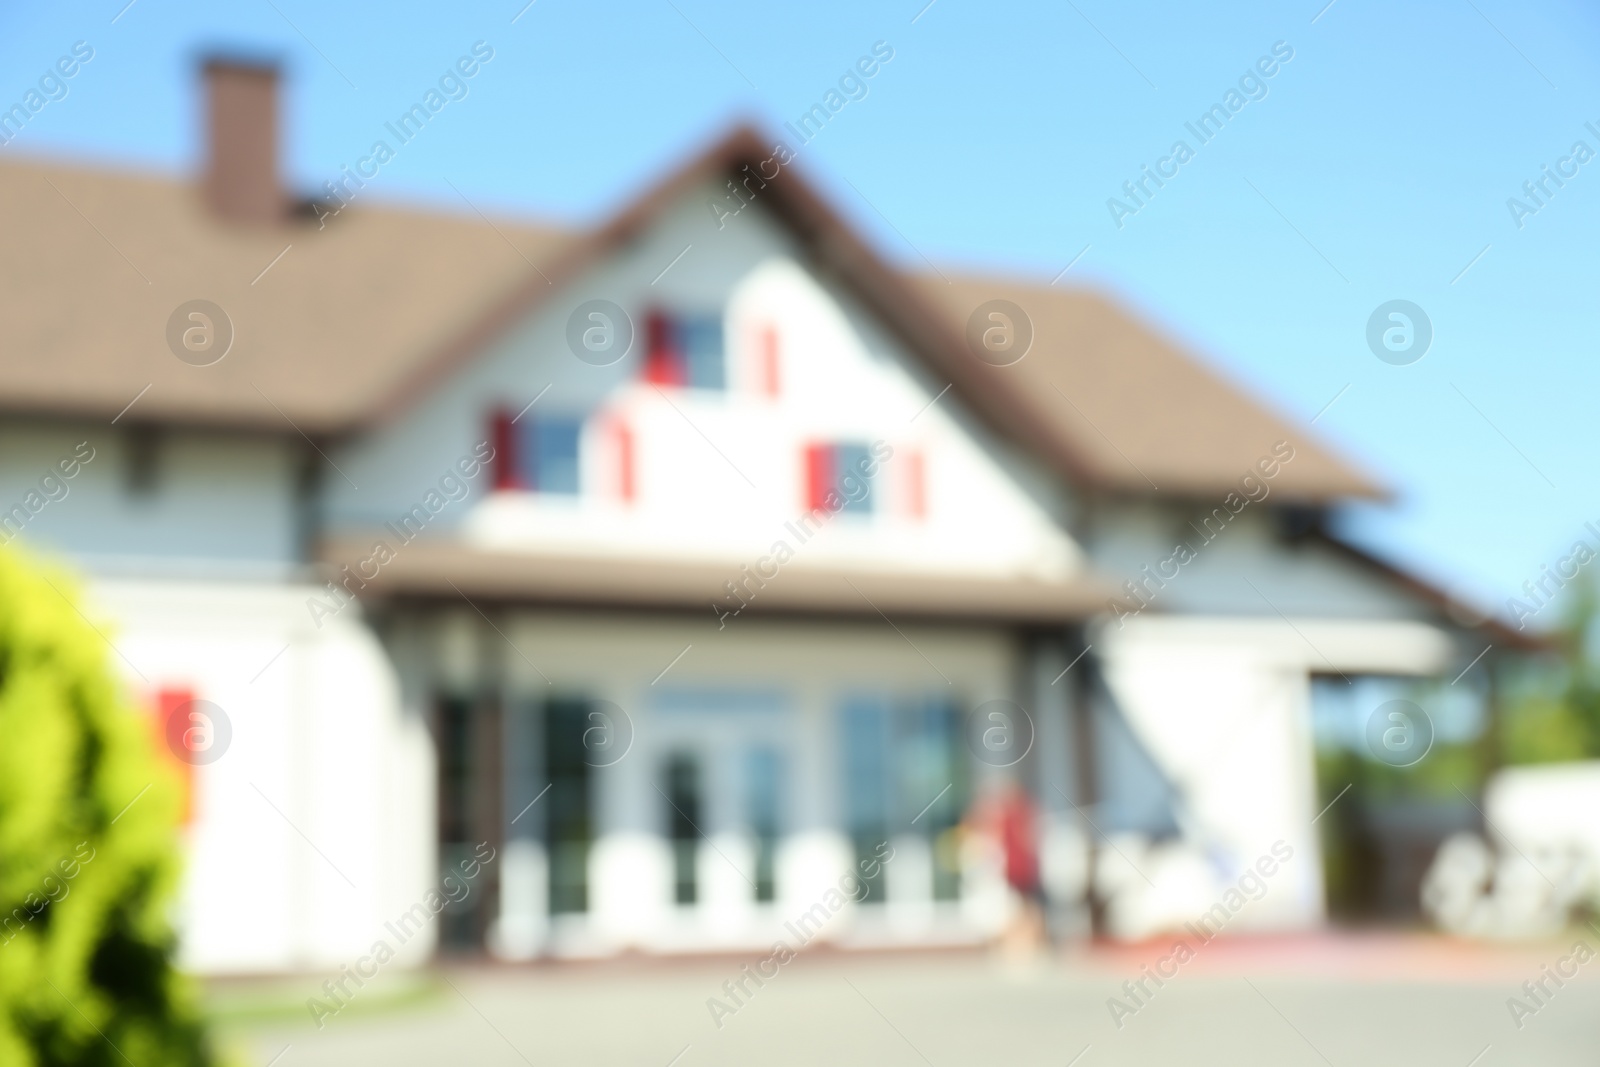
{"points": [[664, 575]]}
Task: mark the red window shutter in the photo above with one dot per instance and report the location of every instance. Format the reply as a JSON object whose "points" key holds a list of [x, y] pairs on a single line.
{"points": [[625, 473], [769, 360], [916, 485], [819, 475], [663, 359], [503, 438], [172, 700]]}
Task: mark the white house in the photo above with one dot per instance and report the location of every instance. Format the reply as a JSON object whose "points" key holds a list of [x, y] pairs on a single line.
{"points": [[688, 564]]}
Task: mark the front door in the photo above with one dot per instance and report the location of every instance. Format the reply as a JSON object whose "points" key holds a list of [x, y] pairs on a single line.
{"points": [[723, 761]]}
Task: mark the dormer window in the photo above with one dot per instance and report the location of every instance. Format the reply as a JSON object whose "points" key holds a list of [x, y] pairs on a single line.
{"points": [[550, 454], [537, 453], [839, 477], [684, 350]]}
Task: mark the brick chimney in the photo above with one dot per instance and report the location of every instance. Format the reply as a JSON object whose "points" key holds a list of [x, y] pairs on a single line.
{"points": [[241, 176]]}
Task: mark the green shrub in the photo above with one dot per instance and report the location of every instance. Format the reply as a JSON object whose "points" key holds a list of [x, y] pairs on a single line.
{"points": [[1553, 714], [88, 849]]}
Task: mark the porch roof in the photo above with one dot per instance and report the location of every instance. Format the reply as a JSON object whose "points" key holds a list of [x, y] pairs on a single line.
{"points": [[450, 568]]}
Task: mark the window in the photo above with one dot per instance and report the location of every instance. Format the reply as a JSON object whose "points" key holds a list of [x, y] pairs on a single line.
{"points": [[764, 770], [905, 773], [550, 455], [536, 453], [683, 822], [684, 350], [842, 472], [928, 750], [461, 728], [568, 811], [866, 726], [141, 460]]}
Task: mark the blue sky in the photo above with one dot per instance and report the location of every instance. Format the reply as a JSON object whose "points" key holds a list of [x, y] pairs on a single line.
{"points": [[1378, 166]]}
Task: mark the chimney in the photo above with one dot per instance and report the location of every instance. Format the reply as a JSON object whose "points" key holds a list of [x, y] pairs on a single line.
{"points": [[241, 177]]}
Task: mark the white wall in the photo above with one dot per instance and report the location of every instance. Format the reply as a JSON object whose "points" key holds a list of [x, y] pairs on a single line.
{"points": [[221, 505], [1302, 578], [793, 677], [1223, 705], [316, 824], [843, 377]]}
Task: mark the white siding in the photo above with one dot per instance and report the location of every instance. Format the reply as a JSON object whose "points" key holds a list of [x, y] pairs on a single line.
{"points": [[719, 473]]}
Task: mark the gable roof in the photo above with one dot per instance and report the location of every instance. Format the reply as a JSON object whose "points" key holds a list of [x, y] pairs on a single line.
{"points": [[357, 321], [1106, 401], [1138, 413], [93, 262], [1459, 610]]}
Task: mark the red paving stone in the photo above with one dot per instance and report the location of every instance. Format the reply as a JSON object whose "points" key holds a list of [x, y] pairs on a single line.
{"points": [[1356, 955]]}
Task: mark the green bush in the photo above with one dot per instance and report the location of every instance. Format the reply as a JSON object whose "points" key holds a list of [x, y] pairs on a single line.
{"points": [[88, 849], [1553, 716]]}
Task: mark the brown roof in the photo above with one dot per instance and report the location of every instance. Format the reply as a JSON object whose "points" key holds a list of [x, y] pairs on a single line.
{"points": [[1140, 414], [1459, 610], [93, 263], [448, 568], [1099, 395], [360, 320]]}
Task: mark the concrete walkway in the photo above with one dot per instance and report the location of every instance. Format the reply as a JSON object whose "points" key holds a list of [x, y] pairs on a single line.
{"points": [[1356, 1002]]}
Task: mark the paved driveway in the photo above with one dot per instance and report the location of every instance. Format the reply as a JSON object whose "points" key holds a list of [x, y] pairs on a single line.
{"points": [[1339, 1003]]}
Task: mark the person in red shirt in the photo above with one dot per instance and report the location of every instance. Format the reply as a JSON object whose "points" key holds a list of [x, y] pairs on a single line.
{"points": [[1010, 818]]}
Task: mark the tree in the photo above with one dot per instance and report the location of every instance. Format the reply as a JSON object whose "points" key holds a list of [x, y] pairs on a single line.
{"points": [[1555, 716], [88, 851]]}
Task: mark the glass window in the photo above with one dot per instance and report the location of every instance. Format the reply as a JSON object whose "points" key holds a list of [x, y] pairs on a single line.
{"points": [[866, 775], [702, 351], [550, 454], [851, 461], [683, 822], [839, 468], [905, 772], [684, 350], [764, 773], [569, 830], [933, 785]]}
